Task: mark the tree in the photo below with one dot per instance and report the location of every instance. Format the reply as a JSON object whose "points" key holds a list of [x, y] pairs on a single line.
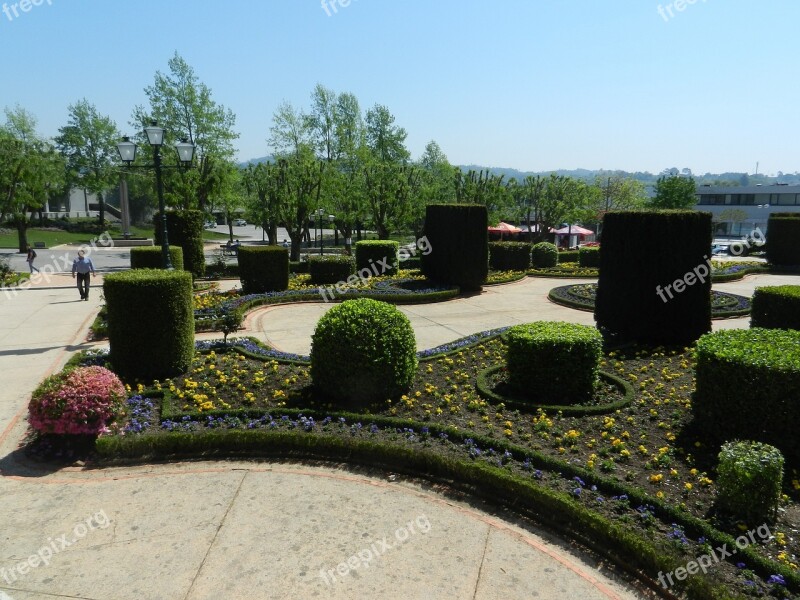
{"points": [[674, 191], [30, 170], [385, 140], [181, 104], [614, 192], [484, 188], [88, 143], [437, 183], [528, 199]]}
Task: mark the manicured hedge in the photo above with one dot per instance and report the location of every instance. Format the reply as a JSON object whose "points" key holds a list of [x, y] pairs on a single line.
{"points": [[509, 256], [185, 229], [589, 256], [544, 255], [263, 269], [776, 307], [325, 270], [363, 351], [374, 255], [150, 323], [554, 362], [568, 256], [749, 480], [748, 386], [783, 239], [149, 257], [458, 237], [655, 293]]}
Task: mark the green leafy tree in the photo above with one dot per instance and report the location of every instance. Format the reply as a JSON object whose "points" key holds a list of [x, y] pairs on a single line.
{"points": [[674, 191], [88, 143], [614, 192], [483, 187], [183, 105], [528, 197]]}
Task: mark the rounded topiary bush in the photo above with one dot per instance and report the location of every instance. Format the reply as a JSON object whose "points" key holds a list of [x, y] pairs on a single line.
{"points": [[554, 362], [81, 401], [263, 269], [749, 480], [149, 257], [589, 256], [325, 270], [363, 351], [776, 307], [509, 256], [544, 255], [150, 323], [748, 383], [377, 257]]}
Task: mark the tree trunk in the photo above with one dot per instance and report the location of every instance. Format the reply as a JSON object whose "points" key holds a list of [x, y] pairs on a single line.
{"points": [[22, 233], [102, 205], [294, 254]]}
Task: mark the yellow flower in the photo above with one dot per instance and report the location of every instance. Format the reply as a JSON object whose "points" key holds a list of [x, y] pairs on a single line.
{"points": [[656, 478], [688, 486]]}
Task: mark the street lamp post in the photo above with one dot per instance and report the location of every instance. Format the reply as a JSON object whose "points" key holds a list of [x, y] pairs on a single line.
{"points": [[185, 150]]}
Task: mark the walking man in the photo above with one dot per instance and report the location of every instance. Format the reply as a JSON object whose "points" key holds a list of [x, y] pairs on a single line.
{"points": [[31, 257], [83, 267]]}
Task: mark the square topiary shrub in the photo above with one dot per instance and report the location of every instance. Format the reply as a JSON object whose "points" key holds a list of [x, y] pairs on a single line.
{"points": [[263, 269], [748, 387], [458, 238], [568, 256], [749, 481], [325, 270], [379, 257], [509, 256], [589, 256], [553, 362], [149, 257], [776, 307], [783, 235]]}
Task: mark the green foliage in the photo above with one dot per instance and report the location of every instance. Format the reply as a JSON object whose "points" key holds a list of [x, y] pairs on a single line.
{"points": [[150, 323], [674, 191], [377, 252], [589, 256], [509, 256], [783, 239], [325, 270], [185, 229], [629, 306], [229, 323], [554, 362], [568, 256], [380, 356], [748, 382], [749, 480], [149, 257], [263, 269], [776, 307], [459, 240], [544, 255]]}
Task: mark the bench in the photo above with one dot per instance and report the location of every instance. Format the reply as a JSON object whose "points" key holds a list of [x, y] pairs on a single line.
{"points": [[229, 250], [39, 245]]}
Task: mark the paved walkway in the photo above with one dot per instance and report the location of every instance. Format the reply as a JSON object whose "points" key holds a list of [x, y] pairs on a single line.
{"points": [[242, 529]]}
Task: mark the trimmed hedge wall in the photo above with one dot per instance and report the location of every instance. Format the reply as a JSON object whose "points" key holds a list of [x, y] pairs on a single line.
{"points": [[459, 240], [149, 257], [325, 270], [377, 253], [263, 269], [150, 323], [663, 295], [363, 351], [554, 362], [185, 229], [544, 255], [748, 386], [568, 256], [589, 256], [776, 307], [509, 256], [783, 239]]}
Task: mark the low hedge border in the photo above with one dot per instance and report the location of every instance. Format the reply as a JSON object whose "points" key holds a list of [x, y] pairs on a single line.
{"points": [[510, 278], [491, 482], [484, 388], [561, 275]]}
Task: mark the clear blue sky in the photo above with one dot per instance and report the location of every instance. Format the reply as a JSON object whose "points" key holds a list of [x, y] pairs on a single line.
{"points": [[529, 84]]}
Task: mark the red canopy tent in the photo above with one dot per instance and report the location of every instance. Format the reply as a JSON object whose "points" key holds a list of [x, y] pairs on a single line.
{"points": [[503, 227], [574, 230]]}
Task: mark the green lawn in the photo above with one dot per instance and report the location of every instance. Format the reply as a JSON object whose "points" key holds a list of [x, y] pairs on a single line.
{"points": [[54, 238]]}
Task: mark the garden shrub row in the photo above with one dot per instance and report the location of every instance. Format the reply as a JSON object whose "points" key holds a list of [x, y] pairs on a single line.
{"points": [[659, 296], [185, 229], [589, 256], [509, 256], [263, 269], [373, 255], [776, 307], [325, 270], [149, 257], [568, 256], [458, 237], [783, 239]]}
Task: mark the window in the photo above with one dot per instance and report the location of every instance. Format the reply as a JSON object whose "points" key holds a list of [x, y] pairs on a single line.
{"points": [[711, 199], [784, 199], [746, 199]]}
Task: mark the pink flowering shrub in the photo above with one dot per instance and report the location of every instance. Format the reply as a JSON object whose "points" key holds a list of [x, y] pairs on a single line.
{"points": [[81, 401]]}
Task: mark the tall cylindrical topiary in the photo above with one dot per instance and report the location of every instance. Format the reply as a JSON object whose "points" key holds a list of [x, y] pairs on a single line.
{"points": [[149, 257], [263, 269], [458, 237], [377, 257], [363, 351], [150, 323], [783, 233], [185, 229], [749, 480], [658, 292]]}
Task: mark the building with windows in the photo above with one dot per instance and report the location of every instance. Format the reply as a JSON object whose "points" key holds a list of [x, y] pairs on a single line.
{"points": [[736, 211]]}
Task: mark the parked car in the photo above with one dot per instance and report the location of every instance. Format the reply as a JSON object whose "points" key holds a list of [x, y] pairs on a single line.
{"points": [[210, 225], [239, 222], [718, 249]]}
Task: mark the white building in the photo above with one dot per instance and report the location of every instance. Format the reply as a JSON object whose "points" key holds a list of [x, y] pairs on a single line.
{"points": [[736, 211]]}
